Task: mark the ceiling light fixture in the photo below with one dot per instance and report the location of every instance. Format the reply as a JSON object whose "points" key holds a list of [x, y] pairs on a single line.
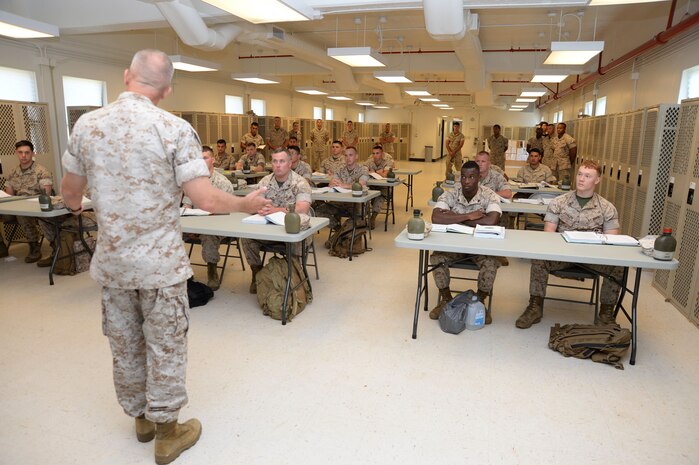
{"points": [[446, 108], [193, 65], [381, 107], [519, 106], [392, 77], [525, 100], [555, 76], [440, 105], [366, 103], [19, 27], [356, 57], [618, 2], [573, 53], [310, 91], [418, 92], [532, 92], [338, 97], [429, 99], [254, 78], [516, 109], [266, 11]]}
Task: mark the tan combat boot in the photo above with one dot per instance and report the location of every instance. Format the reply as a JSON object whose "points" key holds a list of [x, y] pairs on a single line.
{"points": [[532, 314], [44, 262], [253, 284], [606, 314], [3, 249], [481, 296], [171, 439], [145, 429], [444, 298], [213, 281], [373, 220], [34, 253]]}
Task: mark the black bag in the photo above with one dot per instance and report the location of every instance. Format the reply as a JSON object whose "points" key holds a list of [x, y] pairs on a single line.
{"points": [[453, 318], [198, 293]]}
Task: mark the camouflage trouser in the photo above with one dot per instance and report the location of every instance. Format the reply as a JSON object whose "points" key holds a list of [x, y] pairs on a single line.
{"points": [[498, 159], [65, 221], [334, 211], [147, 331], [209, 248], [28, 225], [378, 203], [486, 276], [455, 163], [539, 277], [251, 249], [316, 157]]}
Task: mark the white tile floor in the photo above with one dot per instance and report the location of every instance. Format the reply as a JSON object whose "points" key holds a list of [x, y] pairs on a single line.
{"points": [[344, 383]]}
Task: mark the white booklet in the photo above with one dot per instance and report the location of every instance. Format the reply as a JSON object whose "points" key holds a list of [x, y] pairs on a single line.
{"points": [[193, 212], [322, 190], [455, 228], [489, 232], [529, 201], [318, 174], [592, 237], [276, 218], [376, 175]]}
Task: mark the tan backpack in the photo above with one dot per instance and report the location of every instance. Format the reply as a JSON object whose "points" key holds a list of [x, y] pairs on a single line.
{"points": [[271, 284], [601, 343]]}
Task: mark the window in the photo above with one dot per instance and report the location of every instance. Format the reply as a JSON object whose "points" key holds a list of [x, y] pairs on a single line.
{"points": [[588, 108], [689, 86], [360, 117], [18, 84], [558, 117], [317, 112], [79, 92], [234, 104], [329, 114], [258, 106], [601, 108]]}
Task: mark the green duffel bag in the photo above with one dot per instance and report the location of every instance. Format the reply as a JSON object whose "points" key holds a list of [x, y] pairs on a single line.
{"points": [[601, 343], [271, 283]]}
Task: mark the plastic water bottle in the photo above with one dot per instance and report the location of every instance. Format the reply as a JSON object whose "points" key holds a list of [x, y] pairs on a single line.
{"points": [[475, 318]]}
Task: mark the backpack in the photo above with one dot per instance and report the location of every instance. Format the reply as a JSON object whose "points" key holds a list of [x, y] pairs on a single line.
{"points": [[339, 241], [198, 293], [453, 318], [601, 343], [271, 283]]}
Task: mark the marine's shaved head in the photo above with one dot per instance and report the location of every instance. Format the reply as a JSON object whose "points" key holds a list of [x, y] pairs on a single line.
{"points": [[152, 68]]}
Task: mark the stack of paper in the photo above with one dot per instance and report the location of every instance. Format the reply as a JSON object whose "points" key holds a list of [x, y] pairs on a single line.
{"points": [[322, 190], [455, 228], [193, 212], [591, 237], [489, 232], [529, 201], [276, 218]]}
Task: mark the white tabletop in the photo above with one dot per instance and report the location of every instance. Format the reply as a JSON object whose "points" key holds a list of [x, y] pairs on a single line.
{"points": [[408, 172], [346, 197], [540, 190], [520, 207], [30, 207], [536, 245], [383, 182], [232, 226]]}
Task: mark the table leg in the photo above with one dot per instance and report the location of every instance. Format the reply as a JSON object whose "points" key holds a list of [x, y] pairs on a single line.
{"points": [[388, 208], [56, 249], [634, 304], [419, 292], [409, 191], [289, 257]]}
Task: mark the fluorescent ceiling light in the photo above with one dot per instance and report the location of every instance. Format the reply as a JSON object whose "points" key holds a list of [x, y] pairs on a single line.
{"points": [[418, 92], [618, 2], [193, 65], [254, 78], [393, 77], [366, 103], [573, 53], [429, 99], [550, 76], [447, 108], [382, 107], [519, 106], [19, 27], [533, 92], [516, 109], [525, 100], [357, 57], [440, 105], [310, 91], [266, 11], [339, 97]]}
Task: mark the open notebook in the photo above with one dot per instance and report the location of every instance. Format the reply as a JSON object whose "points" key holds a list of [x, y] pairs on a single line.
{"points": [[454, 228], [591, 237], [275, 218]]}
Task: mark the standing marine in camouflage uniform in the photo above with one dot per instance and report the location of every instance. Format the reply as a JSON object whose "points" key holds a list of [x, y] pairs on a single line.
{"points": [[579, 210], [350, 138], [29, 178], [564, 150], [536, 142], [299, 166], [379, 163], [252, 136], [210, 244], [284, 187], [497, 144], [454, 143], [278, 137], [548, 159], [335, 161], [469, 204], [140, 260], [319, 143], [386, 139], [296, 132]]}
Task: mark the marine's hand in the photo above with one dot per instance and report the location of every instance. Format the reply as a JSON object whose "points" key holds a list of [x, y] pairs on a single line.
{"points": [[255, 200]]}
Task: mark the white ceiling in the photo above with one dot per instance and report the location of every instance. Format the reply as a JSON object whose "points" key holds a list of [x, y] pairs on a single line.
{"points": [[465, 72]]}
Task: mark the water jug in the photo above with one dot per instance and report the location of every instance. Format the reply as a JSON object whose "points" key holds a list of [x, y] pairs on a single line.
{"points": [[475, 318]]}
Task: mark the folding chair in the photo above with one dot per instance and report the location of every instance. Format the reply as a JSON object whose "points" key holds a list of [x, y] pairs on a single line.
{"points": [[579, 273], [228, 242], [468, 264]]}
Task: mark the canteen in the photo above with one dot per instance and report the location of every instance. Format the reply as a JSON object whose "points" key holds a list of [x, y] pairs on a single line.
{"points": [[45, 203], [416, 227], [292, 220], [565, 183], [450, 178], [665, 245], [391, 176], [357, 190], [437, 191], [246, 166]]}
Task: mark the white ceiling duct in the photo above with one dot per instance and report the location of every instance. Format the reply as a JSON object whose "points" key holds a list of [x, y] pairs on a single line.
{"points": [[444, 19], [191, 28]]}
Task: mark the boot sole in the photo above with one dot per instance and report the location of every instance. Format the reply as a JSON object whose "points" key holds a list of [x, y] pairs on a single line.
{"points": [[521, 326], [171, 458]]}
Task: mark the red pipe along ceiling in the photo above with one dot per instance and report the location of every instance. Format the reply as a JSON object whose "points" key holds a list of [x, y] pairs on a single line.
{"points": [[659, 39]]}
